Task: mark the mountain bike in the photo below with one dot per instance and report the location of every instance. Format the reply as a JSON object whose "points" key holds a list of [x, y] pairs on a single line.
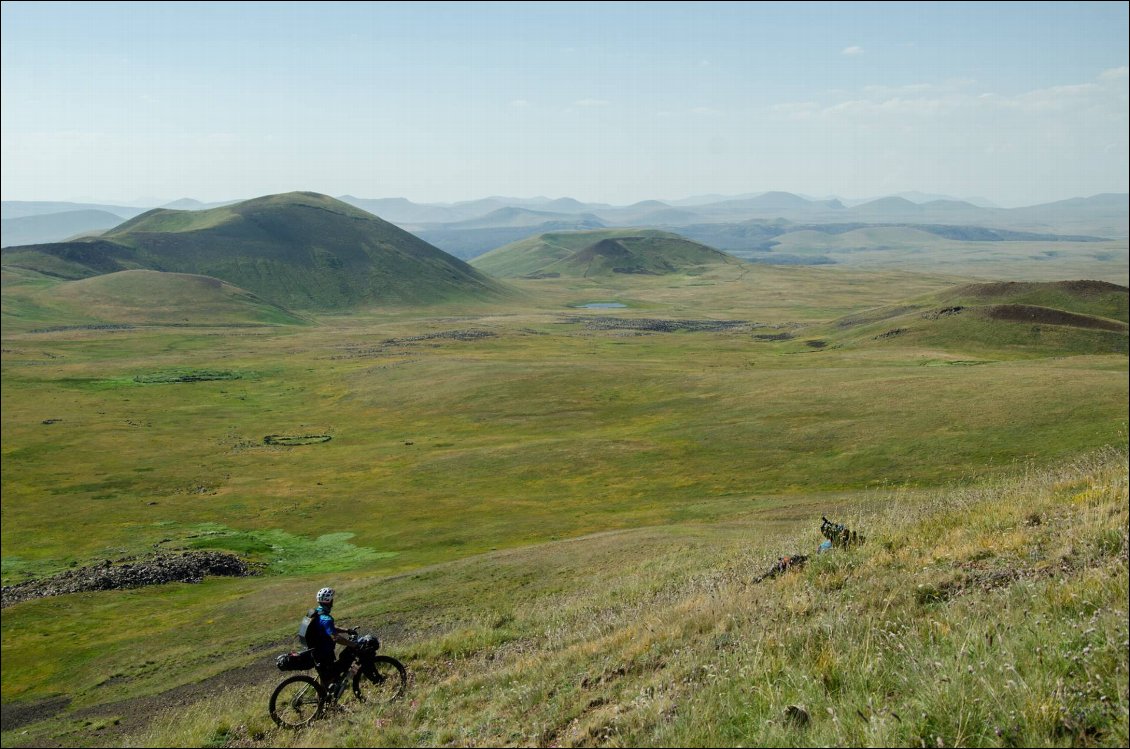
{"points": [[301, 699]]}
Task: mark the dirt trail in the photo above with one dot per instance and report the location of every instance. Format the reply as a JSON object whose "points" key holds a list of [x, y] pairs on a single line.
{"points": [[111, 721]]}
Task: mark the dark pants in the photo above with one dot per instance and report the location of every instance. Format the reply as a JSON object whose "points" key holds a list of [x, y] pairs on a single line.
{"points": [[329, 670]]}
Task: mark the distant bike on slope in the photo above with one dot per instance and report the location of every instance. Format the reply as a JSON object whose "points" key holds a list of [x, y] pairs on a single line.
{"points": [[299, 700]]}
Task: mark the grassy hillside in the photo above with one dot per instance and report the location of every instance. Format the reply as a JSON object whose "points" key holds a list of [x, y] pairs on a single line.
{"points": [[1033, 319], [992, 614], [1095, 298], [600, 252], [138, 297], [298, 250]]}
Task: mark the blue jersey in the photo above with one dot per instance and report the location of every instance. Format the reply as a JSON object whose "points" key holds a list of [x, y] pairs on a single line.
{"points": [[321, 633]]}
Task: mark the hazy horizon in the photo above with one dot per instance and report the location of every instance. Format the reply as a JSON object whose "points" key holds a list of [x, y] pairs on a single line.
{"points": [[156, 202], [1015, 103]]}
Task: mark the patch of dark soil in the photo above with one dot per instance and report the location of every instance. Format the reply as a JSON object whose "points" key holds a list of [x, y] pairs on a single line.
{"points": [[22, 713], [605, 248], [816, 343], [134, 715], [1048, 316], [657, 325], [944, 312], [61, 328], [774, 337], [155, 569], [290, 441]]}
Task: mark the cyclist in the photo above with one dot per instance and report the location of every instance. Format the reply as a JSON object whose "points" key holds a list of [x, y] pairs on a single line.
{"points": [[321, 634]]}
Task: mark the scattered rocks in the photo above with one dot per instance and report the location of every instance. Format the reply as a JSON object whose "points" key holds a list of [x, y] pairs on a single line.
{"points": [[657, 325], [156, 569], [892, 333], [874, 316], [353, 352], [940, 313], [454, 335], [293, 440]]}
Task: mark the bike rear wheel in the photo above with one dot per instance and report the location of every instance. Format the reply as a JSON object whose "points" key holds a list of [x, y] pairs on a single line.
{"points": [[387, 681], [298, 701]]}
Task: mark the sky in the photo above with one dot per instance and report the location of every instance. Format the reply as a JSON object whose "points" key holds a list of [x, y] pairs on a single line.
{"points": [[1019, 103]]}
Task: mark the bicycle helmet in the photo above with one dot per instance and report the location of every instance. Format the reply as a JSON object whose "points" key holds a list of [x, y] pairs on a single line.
{"points": [[326, 596]]}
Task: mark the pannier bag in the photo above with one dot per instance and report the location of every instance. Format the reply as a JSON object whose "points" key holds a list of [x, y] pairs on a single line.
{"points": [[292, 661]]}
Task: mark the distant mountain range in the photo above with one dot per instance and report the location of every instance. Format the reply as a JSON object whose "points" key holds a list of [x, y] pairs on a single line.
{"points": [[469, 228], [53, 227]]}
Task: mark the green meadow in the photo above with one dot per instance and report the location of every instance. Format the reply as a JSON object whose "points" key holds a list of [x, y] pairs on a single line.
{"points": [[552, 518]]}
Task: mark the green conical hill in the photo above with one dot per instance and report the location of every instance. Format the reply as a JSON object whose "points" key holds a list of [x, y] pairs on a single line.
{"points": [[299, 250], [598, 253]]}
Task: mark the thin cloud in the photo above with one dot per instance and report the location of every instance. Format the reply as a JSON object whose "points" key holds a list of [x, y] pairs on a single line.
{"points": [[852, 51], [931, 100], [592, 102]]}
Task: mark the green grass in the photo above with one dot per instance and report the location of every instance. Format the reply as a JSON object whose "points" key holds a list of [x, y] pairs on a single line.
{"points": [[515, 511], [285, 553]]}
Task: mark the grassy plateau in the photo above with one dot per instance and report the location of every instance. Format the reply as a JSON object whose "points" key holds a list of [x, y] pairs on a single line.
{"points": [[554, 515]]}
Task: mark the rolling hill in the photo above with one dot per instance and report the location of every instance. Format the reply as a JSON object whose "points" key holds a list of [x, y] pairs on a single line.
{"points": [[601, 252], [299, 250], [1002, 319], [140, 297]]}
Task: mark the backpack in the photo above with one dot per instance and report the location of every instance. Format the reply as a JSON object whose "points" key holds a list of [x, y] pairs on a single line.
{"points": [[305, 631]]}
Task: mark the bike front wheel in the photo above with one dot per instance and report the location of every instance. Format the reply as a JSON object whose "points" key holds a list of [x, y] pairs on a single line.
{"points": [[297, 702], [385, 682]]}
